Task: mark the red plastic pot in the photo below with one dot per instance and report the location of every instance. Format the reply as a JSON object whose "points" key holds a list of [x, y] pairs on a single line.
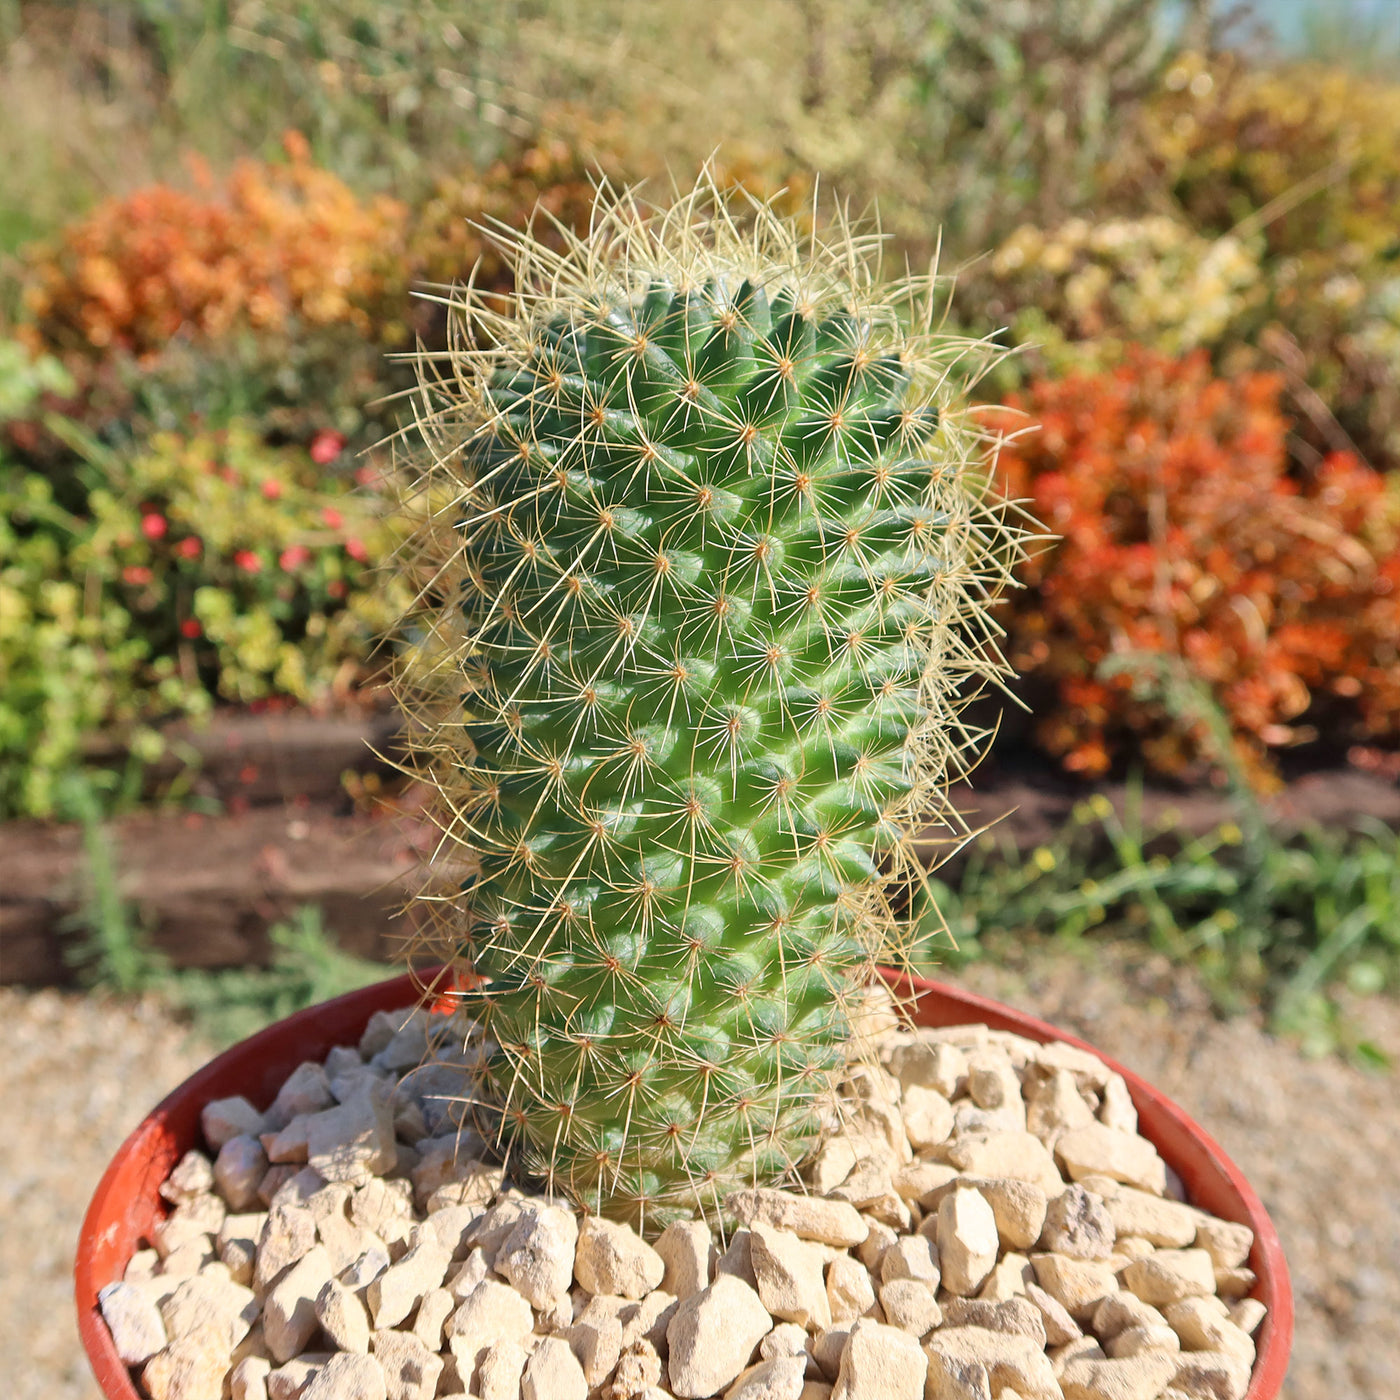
{"points": [[127, 1203]]}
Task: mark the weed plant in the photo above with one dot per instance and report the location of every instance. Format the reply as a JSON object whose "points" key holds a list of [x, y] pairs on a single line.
{"points": [[1264, 916]]}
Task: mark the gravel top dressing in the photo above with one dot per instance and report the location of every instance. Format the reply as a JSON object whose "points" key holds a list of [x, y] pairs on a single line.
{"points": [[1042, 1253]]}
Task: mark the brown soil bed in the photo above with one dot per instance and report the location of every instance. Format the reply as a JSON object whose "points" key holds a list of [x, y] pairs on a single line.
{"points": [[208, 886]]}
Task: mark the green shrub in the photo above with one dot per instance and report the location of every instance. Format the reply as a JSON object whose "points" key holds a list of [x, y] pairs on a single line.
{"points": [[192, 568], [245, 567], [68, 661]]}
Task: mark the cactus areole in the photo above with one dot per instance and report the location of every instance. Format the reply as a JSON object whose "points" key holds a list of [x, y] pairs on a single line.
{"points": [[706, 561]]}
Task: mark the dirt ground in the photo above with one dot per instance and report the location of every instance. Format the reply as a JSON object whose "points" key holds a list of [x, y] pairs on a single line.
{"points": [[1320, 1140]]}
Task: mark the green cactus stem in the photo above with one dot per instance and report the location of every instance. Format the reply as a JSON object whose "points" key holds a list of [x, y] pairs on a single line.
{"points": [[706, 560]]}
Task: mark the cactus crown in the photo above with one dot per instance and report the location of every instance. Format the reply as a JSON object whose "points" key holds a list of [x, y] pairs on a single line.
{"points": [[706, 563]]}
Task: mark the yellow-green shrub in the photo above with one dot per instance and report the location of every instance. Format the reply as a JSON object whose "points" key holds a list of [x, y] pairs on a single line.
{"points": [[1077, 295], [1312, 150]]}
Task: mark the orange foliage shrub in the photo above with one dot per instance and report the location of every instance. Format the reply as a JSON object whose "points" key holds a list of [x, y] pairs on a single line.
{"points": [[1182, 534], [278, 243]]}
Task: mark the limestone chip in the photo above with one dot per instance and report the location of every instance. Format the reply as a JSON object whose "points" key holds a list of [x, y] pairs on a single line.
{"points": [[1227, 1243], [1120, 1311], [1015, 1315], [353, 1141], [288, 1233], [1133, 1341], [396, 1292], [1059, 1326], [498, 1376], [291, 1378], [613, 1258], [738, 1259], [910, 1305], [1212, 1375], [780, 1378], [912, 1257], [1204, 1324], [248, 1380], [967, 1241], [1009, 1359], [1018, 1208], [922, 1181], [189, 1369], [880, 1363], [1078, 1224], [648, 1319], [410, 1369], [1171, 1275], [786, 1339], [538, 1255], [1111, 1152], [827, 1349], [1056, 1107], [1117, 1109], [1234, 1283], [347, 1377], [305, 1090], [789, 1272], [210, 1306], [222, 1119], [239, 1170], [937, 1066], [829, 1222], [289, 1310], [491, 1312], [1079, 1285], [713, 1335], [1247, 1314], [432, 1314], [688, 1253], [596, 1339], [1127, 1378], [1018, 1155], [1168, 1224], [135, 1322], [343, 1317], [552, 1372], [849, 1291], [928, 1117], [1009, 1279]]}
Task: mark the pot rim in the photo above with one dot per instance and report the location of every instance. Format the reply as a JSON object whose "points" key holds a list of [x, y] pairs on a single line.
{"points": [[126, 1195]]}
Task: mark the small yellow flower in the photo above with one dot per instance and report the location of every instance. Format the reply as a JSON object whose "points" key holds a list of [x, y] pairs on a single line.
{"points": [[1043, 858], [1230, 834], [1100, 806]]}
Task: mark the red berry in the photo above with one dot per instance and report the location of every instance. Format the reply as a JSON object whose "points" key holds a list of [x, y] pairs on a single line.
{"points": [[326, 446]]}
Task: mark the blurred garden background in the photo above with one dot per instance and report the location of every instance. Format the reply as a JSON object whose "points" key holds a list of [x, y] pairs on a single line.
{"points": [[1184, 215], [216, 215]]}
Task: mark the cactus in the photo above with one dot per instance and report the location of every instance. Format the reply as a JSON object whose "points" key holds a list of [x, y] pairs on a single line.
{"points": [[706, 564]]}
